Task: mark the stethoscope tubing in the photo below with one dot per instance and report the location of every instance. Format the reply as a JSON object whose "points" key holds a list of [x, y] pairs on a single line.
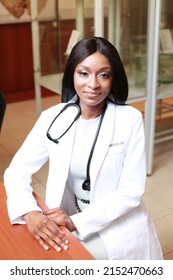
{"points": [[86, 183], [56, 140]]}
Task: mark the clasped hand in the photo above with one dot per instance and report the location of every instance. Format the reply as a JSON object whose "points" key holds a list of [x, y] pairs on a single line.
{"points": [[44, 227]]}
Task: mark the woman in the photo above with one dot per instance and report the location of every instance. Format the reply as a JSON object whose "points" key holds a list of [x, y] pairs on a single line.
{"points": [[95, 147]]}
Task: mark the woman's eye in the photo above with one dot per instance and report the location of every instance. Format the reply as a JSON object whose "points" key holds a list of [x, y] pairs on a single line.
{"points": [[104, 75], [83, 73]]}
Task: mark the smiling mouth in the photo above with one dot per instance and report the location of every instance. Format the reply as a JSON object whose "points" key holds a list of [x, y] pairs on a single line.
{"points": [[92, 94]]}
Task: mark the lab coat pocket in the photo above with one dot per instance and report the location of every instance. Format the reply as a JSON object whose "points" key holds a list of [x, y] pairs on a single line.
{"points": [[116, 150], [114, 160], [135, 236]]}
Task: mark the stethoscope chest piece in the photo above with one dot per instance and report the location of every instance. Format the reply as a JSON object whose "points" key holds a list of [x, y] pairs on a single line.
{"points": [[86, 185]]}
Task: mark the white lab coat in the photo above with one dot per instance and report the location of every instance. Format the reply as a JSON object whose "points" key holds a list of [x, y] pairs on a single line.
{"points": [[117, 173]]}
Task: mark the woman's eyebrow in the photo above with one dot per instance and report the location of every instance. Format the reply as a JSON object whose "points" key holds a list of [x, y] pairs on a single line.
{"points": [[101, 69]]}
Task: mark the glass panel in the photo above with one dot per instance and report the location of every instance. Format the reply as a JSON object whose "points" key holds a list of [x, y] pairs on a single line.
{"points": [[165, 74], [88, 18], [127, 30], [55, 30], [49, 32], [164, 112]]}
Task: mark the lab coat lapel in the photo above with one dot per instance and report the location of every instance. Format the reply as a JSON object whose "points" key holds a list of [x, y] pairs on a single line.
{"points": [[103, 141], [59, 173]]}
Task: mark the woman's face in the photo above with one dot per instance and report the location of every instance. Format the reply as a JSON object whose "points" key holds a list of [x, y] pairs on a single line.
{"points": [[93, 80]]}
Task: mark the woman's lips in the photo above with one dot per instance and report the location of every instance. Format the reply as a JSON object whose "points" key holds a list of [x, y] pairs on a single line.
{"points": [[91, 94]]}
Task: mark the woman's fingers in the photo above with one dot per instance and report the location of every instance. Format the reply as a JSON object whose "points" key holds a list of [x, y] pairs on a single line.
{"points": [[48, 234], [41, 242], [51, 244], [57, 215], [46, 231], [52, 211]]}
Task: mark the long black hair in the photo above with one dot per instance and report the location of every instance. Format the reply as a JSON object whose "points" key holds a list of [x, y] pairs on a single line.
{"points": [[85, 48]]}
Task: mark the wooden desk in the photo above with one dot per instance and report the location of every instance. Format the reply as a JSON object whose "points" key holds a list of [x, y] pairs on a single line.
{"points": [[16, 243]]}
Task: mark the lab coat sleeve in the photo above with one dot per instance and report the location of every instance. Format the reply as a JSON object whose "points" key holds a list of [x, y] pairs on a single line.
{"points": [[98, 215], [18, 176]]}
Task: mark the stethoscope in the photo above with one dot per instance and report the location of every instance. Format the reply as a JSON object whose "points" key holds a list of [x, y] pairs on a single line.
{"points": [[75, 105], [86, 183]]}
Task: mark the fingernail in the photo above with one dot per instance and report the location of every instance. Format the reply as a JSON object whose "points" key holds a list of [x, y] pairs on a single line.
{"points": [[65, 247], [66, 241], [58, 249]]}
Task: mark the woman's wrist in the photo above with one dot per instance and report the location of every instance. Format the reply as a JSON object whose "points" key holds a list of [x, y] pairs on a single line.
{"points": [[71, 225], [29, 214]]}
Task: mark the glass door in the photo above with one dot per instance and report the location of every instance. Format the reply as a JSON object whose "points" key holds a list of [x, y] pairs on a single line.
{"points": [[56, 26], [142, 32], [127, 30]]}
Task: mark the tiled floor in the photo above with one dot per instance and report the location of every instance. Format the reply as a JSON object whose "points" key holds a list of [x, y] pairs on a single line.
{"points": [[19, 119]]}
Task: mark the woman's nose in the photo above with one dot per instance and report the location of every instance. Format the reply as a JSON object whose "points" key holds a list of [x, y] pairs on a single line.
{"points": [[93, 82]]}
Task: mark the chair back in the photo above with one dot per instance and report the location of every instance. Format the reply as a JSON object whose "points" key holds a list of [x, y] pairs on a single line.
{"points": [[2, 108]]}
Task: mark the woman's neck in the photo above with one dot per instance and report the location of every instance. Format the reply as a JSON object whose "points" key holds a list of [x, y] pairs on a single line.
{"points": [[91, 112]]}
